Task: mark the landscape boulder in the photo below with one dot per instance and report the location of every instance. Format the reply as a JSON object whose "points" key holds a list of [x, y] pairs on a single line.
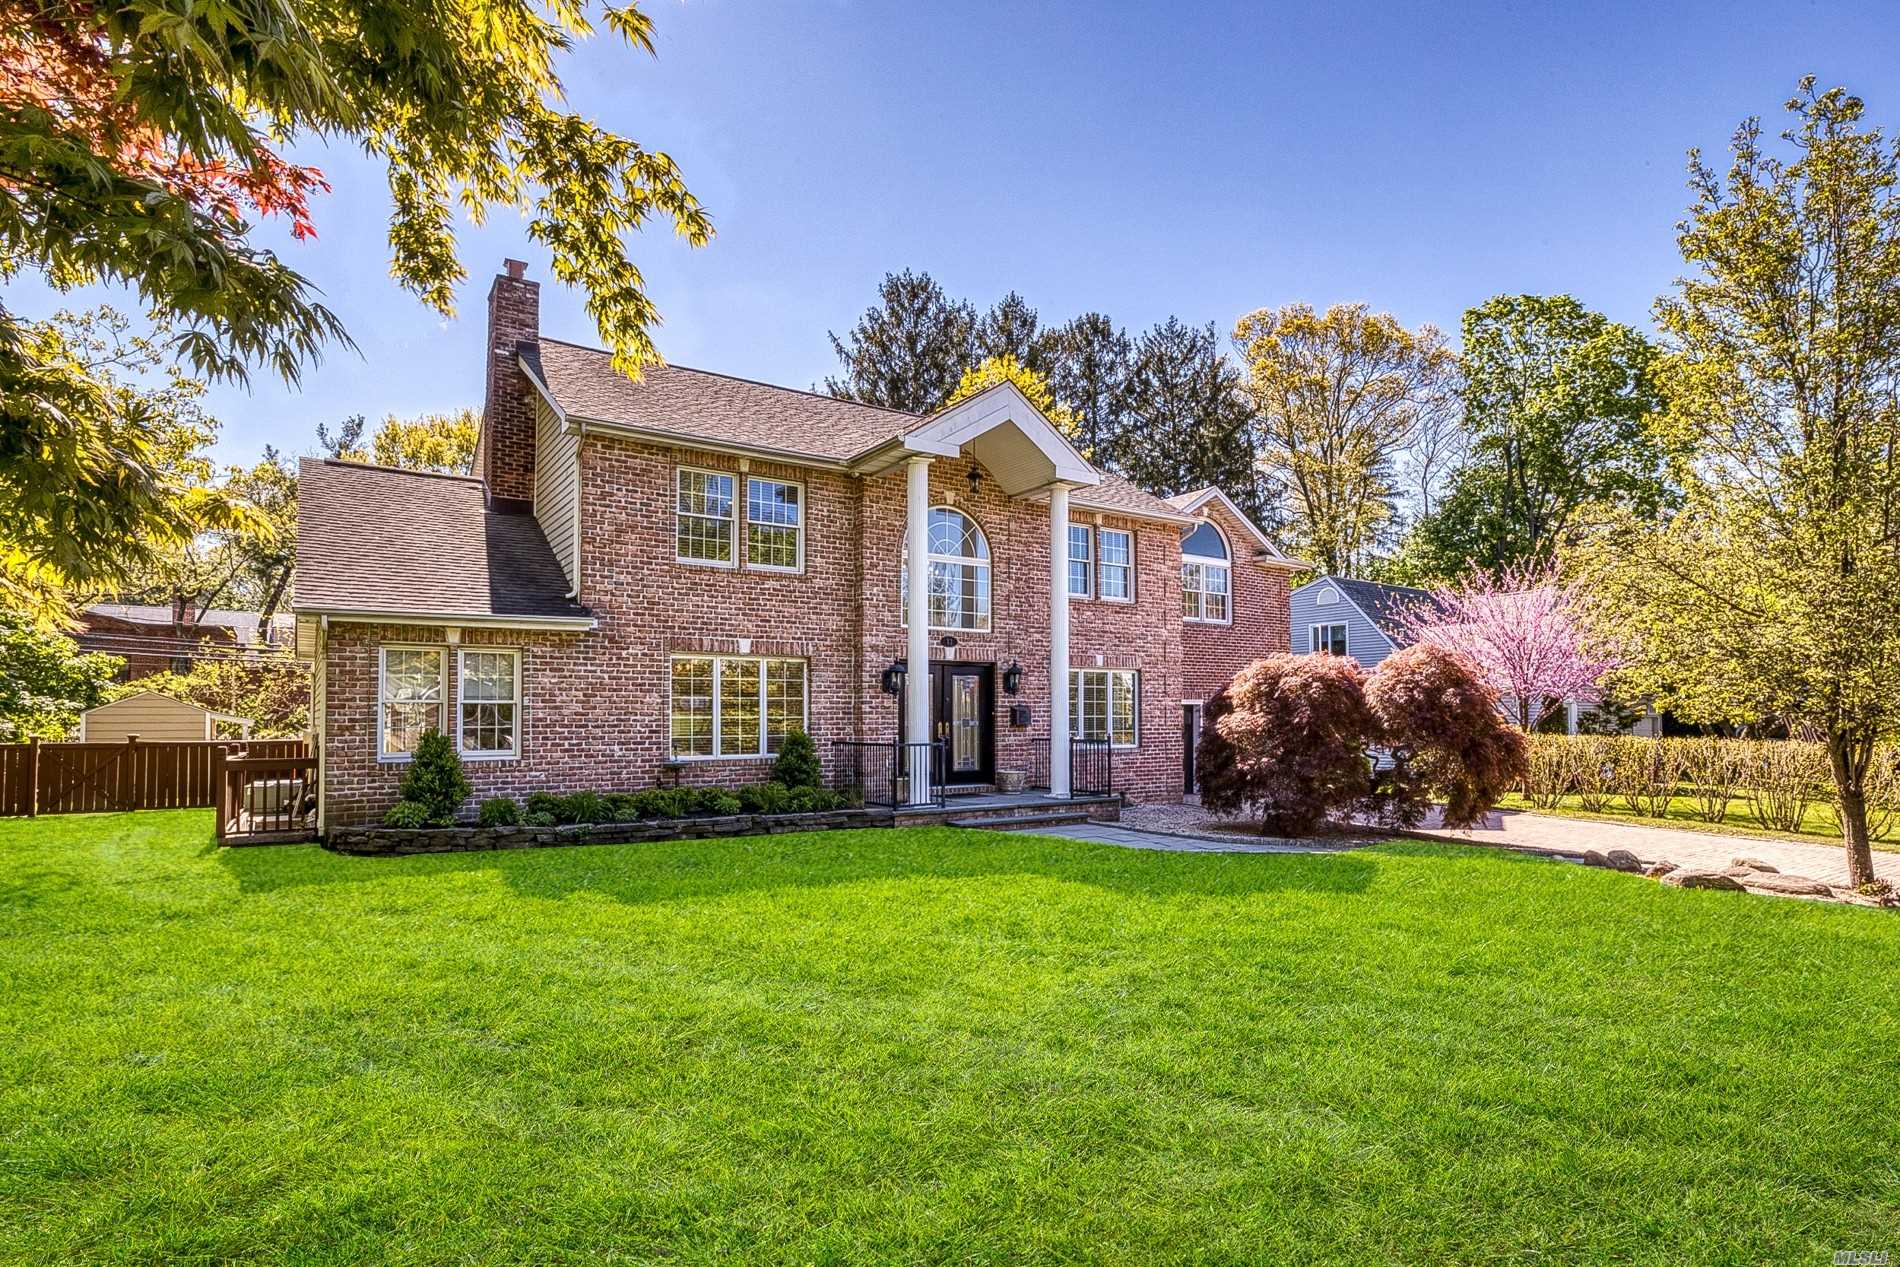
{"points": [[1753, 864], [1624, 860], [1792, 885], [1657, 870], [1683, 878]]}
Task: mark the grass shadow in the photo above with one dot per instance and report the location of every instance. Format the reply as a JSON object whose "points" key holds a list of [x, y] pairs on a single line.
{"points": [[696, 870]]}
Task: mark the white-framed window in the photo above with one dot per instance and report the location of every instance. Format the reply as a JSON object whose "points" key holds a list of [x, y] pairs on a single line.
{"points": [[411, 694], [488, 703], [1117, 565], [774, 525], [959, 573], [1105, 704], [734, 706], [1206, 576], [1081, 561], [1327, 638], [705, 522]]}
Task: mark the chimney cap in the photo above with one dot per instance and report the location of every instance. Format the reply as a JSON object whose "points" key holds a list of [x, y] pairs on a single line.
{"points": [[517, 269]]}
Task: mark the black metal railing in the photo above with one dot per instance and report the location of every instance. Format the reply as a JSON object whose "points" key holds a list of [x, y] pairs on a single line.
{"points": [[1091, 766], [888, 773]]}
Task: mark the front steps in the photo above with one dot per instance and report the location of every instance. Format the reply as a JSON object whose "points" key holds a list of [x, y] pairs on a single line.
{"points": [[1024, 820]]}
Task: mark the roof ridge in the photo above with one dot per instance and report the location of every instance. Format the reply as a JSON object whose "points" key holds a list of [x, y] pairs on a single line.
{"points": [[399, 470], [741, 378]]}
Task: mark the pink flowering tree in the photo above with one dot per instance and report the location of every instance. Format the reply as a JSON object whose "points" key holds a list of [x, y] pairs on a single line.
{"points": [[1524, 631]]}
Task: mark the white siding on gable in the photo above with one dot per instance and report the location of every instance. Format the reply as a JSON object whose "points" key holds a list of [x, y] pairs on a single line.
{"points": [[557, 487]]}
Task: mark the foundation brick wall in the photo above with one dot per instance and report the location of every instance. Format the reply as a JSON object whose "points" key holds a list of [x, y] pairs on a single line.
{"points": [[1212, 654], [595, 711]]}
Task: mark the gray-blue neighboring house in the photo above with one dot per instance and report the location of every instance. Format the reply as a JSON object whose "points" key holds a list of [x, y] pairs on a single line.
{"points": [[1351, 617], [1363, 619]]}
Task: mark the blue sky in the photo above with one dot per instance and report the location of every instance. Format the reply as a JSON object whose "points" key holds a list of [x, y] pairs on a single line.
{"points": [[1142, 160]]}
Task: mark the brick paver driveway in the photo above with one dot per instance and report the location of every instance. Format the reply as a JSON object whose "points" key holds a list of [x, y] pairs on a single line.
{"points": [[1544, 833]]}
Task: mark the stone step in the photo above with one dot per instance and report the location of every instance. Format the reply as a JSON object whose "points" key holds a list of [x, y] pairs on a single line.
{"points": [[1022, 822]]}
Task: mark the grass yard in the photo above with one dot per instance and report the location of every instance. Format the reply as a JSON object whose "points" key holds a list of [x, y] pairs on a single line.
{"points": [[925, 1047], [1817, 825]]}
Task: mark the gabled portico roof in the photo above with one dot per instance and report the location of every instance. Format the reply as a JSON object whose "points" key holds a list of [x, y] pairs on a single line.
{"points": [[999, 428]]}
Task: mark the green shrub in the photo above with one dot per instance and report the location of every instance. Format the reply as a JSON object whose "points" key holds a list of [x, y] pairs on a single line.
{"points": [[407, 814], [537, 818], [584, 807], [500, 811], [762, 798], [718, 801], [544, 803], [812, 800], [797, 764], [435, 779]]}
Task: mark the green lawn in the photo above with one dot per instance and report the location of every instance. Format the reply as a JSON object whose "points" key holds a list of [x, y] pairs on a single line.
{"points": [[1817, 825], [925, 1047]]}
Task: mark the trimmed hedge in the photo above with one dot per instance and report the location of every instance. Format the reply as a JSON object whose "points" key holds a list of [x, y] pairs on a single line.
{"points": [[656, 803]]}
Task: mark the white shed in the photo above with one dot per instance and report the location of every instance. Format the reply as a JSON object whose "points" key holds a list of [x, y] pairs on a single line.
{"points": [[154, 718]]}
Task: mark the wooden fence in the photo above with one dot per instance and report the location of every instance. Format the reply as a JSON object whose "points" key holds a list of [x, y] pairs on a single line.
{"points": [[84, 778]]}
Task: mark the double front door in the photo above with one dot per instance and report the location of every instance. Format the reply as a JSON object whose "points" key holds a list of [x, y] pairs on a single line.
{"points": [[963, 719]]}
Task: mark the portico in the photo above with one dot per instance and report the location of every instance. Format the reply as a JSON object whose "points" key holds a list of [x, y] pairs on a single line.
{"points": [[1028, 458]]}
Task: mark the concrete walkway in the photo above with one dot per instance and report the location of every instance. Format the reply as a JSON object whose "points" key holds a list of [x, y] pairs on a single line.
{"points": [[1130, 838], [1545, 833]]}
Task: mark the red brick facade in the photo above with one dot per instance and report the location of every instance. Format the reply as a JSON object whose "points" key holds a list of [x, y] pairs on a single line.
{"points": [[1212, 654], [596, 704]]}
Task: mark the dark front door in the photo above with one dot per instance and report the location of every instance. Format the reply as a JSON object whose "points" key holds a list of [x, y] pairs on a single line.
{"points": [[963, 719]]}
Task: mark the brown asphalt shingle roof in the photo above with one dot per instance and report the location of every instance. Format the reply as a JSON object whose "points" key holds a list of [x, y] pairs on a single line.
{"points": [[1116, 494], [373, 538], [702, 405]]}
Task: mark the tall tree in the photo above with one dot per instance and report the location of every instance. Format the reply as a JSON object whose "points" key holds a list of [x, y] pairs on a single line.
{"points": [[1189, 422], [444, 443], [1033, 386], [1558, 402], [909, 350], [46, 682], [138, 140], [1775, 589], [102, 463], [1339, 395], [1011, 328], [1089, 363]]}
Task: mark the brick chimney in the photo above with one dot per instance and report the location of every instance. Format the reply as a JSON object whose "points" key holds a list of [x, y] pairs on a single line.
{"points": [[506, 459]]}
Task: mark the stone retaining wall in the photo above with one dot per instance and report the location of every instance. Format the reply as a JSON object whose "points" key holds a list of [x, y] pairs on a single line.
{"points": [[395, 841]]}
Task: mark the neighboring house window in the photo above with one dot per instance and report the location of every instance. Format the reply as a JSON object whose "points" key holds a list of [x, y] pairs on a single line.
{"points": [[1118, 565], [774, 525], [1205, 576], [1081, 561], [1328, 638], [489, 701], [703, 518], [411, 697], [735, 706], [1103, 705], [959, 573]]}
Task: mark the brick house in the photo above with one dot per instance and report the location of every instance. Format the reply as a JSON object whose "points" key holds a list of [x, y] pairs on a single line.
{"points": [[657, 580]]}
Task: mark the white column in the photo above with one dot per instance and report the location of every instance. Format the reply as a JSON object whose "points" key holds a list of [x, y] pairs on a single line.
{"points": [[917, 676], [1059, 640]]}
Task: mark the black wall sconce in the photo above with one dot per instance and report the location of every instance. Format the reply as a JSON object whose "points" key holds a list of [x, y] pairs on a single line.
{"points": [[976, 480], [1012, 678], [892, 678]]}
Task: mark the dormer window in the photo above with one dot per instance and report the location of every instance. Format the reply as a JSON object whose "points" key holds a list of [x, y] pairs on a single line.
{"points": [[1206, 576]]}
